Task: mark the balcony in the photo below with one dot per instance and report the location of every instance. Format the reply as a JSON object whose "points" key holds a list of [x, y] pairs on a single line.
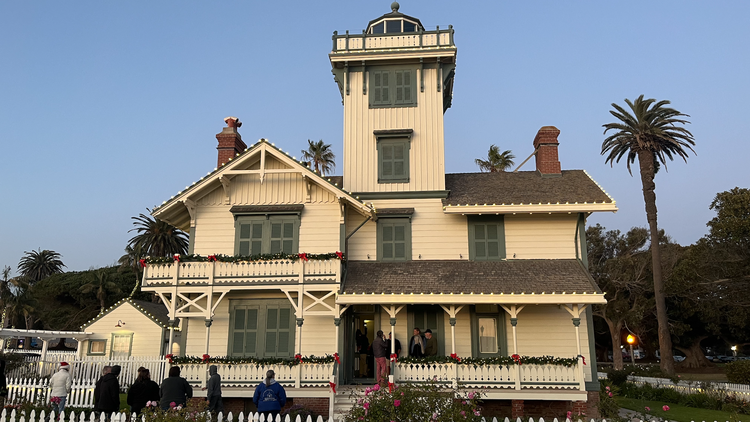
{"points": [[423, 40], [249, 273]]}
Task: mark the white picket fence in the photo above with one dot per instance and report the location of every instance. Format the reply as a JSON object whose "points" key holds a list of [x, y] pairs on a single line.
{"points": [[14, 416], [31, 390], [741, 391], [91, 367]]}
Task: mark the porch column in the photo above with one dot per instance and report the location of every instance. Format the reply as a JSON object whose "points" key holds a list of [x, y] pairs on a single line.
{"points": [[43, 357], [171, 324], [300, 321], [208, 334], [337, 323], [513, 311], [453, 335], [393, 345]]}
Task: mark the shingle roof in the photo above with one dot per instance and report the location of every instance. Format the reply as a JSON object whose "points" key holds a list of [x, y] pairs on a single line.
{"points": [[514, 276], [157, 310], [524, 187]]}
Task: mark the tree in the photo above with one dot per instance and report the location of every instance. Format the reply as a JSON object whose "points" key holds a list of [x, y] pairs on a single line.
{"points": [[22, 306], [156, 237], [40, 264], [496, 161], [101, 286], [321, 156], [651, 134]]}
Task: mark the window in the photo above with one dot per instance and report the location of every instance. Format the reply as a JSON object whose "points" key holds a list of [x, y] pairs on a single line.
{"points": [[488, 331], [393, 160], [261, 329], [121, 345], [394, 239], [97, 347], [393, 88], [432, 317], [486, 238], [266, 235]]}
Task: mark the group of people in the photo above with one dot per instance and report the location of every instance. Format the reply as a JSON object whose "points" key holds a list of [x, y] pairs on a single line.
{"points": [[174, 391], [422, 345]]}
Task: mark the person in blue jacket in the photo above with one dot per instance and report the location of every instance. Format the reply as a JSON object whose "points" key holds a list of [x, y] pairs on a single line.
{"points": [[269, 396]]}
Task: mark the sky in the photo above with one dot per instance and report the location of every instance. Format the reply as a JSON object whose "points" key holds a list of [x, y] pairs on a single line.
{"points": [[109, 108]]}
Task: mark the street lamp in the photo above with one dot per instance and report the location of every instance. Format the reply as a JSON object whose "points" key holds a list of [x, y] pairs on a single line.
{"points": [[631, 340], [734, 351]]}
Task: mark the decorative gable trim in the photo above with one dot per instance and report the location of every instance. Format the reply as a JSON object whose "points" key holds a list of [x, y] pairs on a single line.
{"points": [[117, 305]]}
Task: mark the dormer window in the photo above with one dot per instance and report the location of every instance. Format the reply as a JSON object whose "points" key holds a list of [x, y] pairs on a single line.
{"points": [[393, 26]]}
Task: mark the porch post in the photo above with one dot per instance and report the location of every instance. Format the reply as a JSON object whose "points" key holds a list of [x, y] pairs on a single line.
{"points": [[43, 357], [453, 335], [393, 344], [297, 382], [171, 324], [208, 334], [513, 311]]}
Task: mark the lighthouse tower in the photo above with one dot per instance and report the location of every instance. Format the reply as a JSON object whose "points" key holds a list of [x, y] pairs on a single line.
{"points": [[396, 82]]}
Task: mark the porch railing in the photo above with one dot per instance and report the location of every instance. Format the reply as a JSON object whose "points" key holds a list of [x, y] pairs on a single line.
{"points": [[517, 377], [233, 273], [247, 374]]}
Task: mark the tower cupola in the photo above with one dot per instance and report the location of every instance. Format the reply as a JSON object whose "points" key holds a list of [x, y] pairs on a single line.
{"points": [[394, 23]]}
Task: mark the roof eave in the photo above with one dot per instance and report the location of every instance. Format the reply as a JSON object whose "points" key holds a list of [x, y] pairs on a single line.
{"points": [[472, 298], [530, 208]]}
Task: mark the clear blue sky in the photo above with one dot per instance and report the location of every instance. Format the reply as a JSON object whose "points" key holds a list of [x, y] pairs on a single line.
{"points": [[107, 108]]}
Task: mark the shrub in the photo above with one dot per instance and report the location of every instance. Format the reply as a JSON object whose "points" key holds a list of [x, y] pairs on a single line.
{"points": [[415, 403], [608, 407], [618, 378], [738, 372]]}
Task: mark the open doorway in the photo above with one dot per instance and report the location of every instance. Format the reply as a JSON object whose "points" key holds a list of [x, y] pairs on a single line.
{"points": [[362, 324]]}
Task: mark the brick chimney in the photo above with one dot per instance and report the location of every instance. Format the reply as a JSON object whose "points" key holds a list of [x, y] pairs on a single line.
{"points": [[545, 142], [230, 141]]}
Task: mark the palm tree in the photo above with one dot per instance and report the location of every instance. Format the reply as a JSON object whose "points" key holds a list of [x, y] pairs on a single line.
{"points": [[101, 287], [651, 134], [38, 265], [496, 161], [157, 238], [321, 156]]}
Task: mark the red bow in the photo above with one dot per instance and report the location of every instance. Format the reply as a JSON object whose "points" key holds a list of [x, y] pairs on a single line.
{"points": [[340, 255], [454, 356], [143, 263], [176, 258], [303, 256], [516, 358], [394, 357], [212, 258], [583, 358], [390, 387], [206, 358], [298, 357], [169, 357], [333, 386], [336, 356]]}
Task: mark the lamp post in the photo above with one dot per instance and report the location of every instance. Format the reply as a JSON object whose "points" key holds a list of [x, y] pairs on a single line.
{"points": [[631, 340], [734, 351]]}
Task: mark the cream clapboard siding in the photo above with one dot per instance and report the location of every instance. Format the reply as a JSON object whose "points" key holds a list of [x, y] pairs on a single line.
{"points": [[146, 331], [548, 330], [320, 229], [540, 236], [434, 235], [463, 333], [426, 156]]}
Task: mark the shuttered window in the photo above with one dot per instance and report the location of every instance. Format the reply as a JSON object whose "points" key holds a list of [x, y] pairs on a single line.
{"points": [[486, 238], [393, 87], [393, 160], [394, 239], [260, 235], [261, 329]]}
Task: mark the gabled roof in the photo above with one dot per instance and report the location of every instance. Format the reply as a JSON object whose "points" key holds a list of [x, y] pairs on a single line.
{"points": [[529, 188], [511, 281], [157, 312], [178, 209]]}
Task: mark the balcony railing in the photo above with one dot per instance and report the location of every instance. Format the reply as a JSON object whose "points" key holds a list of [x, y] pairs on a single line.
{"points": [[526, 376], [351, 43], [249, 374], [281, 271]]}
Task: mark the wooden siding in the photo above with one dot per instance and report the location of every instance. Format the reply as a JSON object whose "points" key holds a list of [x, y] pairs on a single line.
{"points": [[427, 156], [463, 333], [320, 229], [548, 330], [146, 331], [434, 235], [542, 236]]}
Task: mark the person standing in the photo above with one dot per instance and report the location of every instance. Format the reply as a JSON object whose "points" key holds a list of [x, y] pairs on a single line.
{"points": [[416, 344], [431, 347], [142, 391], [174, 389], [3, 381], [108, 397], [269, 396], [106, 370], [380, 349], [362, 345], [59, 385], [396, 343], [213, 395]]}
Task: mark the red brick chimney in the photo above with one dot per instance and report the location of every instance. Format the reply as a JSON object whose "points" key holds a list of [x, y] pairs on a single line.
{"points": [[546, 144], [230, 141]]}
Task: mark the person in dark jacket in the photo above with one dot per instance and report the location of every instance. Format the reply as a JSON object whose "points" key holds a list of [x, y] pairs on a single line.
{"points": [[108, 394], [106, 370], [416, 344], [381, 350], [3, 382], [142, 391], [174, 389], [213, 395], [269, 396]]}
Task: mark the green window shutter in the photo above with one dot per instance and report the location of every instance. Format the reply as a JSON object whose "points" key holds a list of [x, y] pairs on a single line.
{"points": [[486, 239], [393, 161], [394, 239], [384, 96], [380, 88], [285, 345], [403, 86], [251, 332], [284, 236], [399, 165], [249, 237], [238, 332], [272, 323]]}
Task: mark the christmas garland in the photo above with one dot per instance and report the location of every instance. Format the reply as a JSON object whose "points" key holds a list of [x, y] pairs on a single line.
{"points": [[242, 258], [187, 360], [495, 360]]}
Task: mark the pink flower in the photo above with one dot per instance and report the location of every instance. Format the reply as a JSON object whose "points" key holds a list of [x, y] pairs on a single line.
{"points": [[463, 402], [463, 413], [569, 415], [607, 388], [366, 406], [434, 416], [173, 404], [477, 413], [397, 403], [472, 394], [376, 387], [648, 409], [665, 408], [610, 394]]}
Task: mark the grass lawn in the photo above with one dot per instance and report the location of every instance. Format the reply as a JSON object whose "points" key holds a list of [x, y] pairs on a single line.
{"points": [[124, 402], [677, 412]]}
